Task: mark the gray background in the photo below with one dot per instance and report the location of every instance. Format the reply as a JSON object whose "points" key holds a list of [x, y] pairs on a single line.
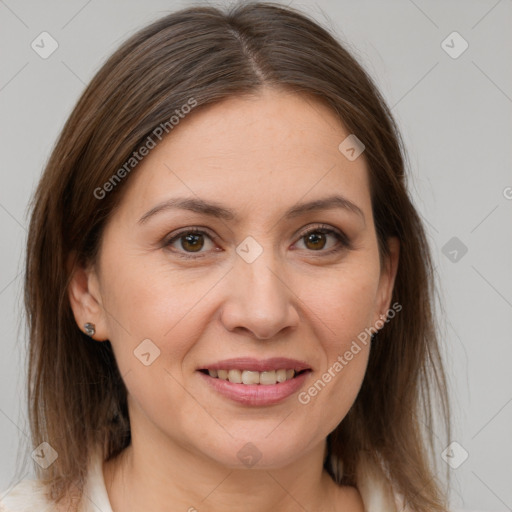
{"points": [[455, 115]]}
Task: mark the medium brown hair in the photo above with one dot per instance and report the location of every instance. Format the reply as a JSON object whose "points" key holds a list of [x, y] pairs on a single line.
{"points": [[77, 398]]}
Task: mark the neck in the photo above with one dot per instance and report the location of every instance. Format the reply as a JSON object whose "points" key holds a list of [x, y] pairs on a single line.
{"points": [[160, 475]]}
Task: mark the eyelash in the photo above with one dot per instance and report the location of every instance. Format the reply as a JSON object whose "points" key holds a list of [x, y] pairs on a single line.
{"points": [[343, 240]]}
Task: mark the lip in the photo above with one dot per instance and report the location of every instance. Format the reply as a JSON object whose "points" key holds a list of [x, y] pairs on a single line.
{"points": [[255, 394], [258, 365]]}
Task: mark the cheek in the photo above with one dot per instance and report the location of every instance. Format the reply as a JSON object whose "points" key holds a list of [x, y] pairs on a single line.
{"points": [[149, 300], [328, 399], [153, 325], [342, 310], [346, 346], [343, 300]]}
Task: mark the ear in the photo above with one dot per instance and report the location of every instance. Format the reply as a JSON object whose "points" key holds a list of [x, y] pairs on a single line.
{"points": [[85, 298], [387, 279]]}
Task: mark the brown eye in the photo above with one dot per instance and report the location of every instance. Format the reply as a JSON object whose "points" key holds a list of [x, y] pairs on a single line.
{"points": [[192, 242], [189, 242], [315, 240]]}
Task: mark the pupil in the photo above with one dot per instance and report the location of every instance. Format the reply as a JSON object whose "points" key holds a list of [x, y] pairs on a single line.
{"points": [[192, 240], [315, 238]]}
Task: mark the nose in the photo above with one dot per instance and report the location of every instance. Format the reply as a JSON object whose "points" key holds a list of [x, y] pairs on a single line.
{"points": [[260, 299]]}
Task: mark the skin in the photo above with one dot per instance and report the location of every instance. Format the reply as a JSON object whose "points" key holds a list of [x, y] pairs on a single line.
{"points": [[259, 156]]}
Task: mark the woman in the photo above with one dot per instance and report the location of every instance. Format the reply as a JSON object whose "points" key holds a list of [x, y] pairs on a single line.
{"points": [[229, 291]]}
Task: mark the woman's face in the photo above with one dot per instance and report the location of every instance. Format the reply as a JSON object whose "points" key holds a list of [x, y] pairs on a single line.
{"points": [[273, 278]]}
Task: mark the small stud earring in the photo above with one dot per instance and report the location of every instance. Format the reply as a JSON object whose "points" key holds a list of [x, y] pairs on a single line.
{"points": [[90, 329]]}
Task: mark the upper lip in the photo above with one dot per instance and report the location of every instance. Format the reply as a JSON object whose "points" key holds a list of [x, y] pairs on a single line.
{"points": [[258, 365]]}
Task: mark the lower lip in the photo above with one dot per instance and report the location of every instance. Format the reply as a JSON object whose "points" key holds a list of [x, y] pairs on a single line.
{"points": [[256, 394]]}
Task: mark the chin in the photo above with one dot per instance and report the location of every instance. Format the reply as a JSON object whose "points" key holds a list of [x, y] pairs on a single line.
{"points": [[258, 453]]}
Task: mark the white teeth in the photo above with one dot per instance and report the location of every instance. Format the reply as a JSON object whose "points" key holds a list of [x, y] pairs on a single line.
{"points": [[235, 376], [251, 377], [281, 375], [268, 377]]}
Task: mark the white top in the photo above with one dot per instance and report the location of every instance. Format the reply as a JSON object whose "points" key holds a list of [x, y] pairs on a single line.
{"points": [[29, 495]]}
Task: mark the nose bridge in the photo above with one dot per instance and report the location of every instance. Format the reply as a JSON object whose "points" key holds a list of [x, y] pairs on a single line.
{"points": [[259, 299], [262, 286]]}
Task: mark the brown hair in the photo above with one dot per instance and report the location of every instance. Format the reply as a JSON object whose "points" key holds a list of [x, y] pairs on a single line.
{"points": [[77, 398]]}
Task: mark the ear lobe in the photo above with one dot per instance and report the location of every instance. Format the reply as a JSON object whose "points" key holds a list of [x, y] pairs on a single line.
{"points": [[85, 299], [387, 277]]}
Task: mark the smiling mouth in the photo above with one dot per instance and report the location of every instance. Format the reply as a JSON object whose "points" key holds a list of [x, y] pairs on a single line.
{"points": [[249, 377]]}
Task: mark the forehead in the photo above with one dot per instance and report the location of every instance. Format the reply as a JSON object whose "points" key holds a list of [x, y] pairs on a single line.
{"points": [[271, 148]]}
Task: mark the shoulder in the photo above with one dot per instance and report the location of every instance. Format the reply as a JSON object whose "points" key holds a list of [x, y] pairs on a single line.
{"points": [[31, 495], [377, 489], [374, 491], [26, 496]]}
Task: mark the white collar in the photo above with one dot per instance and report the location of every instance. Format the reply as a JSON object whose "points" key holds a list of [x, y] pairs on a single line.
{"points": [[95, 493]]}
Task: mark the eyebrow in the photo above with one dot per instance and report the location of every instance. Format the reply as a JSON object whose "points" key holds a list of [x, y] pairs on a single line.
{"points": [[216, 210]]}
